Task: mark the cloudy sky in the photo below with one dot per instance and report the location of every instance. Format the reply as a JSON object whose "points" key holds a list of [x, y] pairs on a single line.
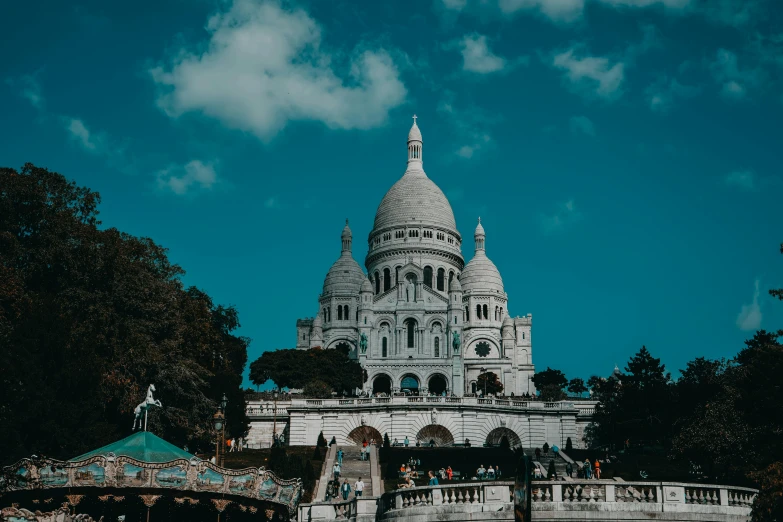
{"points": [[624, 155]]}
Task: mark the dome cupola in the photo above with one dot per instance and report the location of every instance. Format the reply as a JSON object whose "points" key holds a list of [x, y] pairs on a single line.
{"points": [[481, 275], [345, 277]]}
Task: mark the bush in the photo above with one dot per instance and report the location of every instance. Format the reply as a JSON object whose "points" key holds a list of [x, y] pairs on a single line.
{"points": [[321, 440], [386, 441], [504, 444], [317, 389], [278, 461], [317, 453], [569, 446], [545, 448], [551, 471]]}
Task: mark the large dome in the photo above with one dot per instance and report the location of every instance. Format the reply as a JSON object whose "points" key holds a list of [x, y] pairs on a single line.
{"points": [[415, 199]]}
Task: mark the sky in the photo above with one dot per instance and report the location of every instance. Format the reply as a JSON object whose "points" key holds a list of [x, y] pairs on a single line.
{"points": [[624, 155]]}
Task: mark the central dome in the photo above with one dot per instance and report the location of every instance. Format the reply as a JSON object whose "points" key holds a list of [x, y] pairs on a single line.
{"points": [[415, 199]]}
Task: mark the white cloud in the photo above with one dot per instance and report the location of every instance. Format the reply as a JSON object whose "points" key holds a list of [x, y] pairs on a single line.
{"points": [[183, 179], [477, 56], [469, 125], [264, 66], [564, 216], [749, 317], [582, 124], [79, 132], [734, 82], [591, 75], [454, 5], [662, 94], [564, 11]]}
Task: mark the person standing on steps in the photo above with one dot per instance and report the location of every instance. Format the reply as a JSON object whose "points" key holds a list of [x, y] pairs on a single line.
{"points": [[345, 489], [358, 488], [336, 471], [339, 456], [433, 479]]}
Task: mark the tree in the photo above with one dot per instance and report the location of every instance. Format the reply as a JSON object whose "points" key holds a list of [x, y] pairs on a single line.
{"points": [[551, 470], [594, 382], [90, 317], [321, 440], [296, 368], [490, 381], [550, 377], [545, 448], [569, 444], [577, 386], [386, 441], [552, 393], [317, 390]]}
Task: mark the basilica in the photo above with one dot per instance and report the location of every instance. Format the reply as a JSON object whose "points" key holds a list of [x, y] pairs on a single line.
{"points": [[420, 320]]}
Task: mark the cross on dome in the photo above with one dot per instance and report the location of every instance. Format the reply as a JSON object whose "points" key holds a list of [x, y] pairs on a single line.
{"points": [[414, 119]]}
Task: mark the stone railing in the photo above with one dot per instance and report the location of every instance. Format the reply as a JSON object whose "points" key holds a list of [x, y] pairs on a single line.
{"points": [[269, 408]]}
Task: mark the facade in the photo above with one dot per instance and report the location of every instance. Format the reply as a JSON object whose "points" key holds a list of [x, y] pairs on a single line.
{"points": [[419, 319]]}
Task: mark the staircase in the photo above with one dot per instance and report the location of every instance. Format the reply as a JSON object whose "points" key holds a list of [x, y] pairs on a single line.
{"points": [[353, 468], [560, 464]]}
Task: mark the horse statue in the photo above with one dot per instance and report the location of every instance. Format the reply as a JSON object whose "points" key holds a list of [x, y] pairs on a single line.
{"points": [[456, 343], [141, 409], [363, 342]]}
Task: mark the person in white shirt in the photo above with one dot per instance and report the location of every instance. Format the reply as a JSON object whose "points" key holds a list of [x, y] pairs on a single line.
{"points": [[358, 487]]}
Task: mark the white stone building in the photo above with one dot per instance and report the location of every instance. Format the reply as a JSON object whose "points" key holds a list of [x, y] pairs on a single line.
{"points": [[419, 318]]}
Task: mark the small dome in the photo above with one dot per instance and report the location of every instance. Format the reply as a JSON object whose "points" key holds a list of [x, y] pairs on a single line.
{"points": [[479, 229], [415, 133], [481, 275], [346, 231], [455, 285], [345, 276], [366, 286]]}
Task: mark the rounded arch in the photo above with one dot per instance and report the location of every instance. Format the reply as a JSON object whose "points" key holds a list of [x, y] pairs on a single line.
{"points": [[435, 319], [382, 383], [334, 343], [489, 349], [428, 276], [437, 383], [435, 433], [384, 319], [496, 436], [361, 433], [410, 382]]}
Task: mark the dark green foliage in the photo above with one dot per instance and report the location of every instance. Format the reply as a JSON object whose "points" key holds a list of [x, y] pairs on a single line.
{"points": [[545, 448], [333, 441], [492, 382], [550, 377], [298, 368], [569, 445], [89, 318], [386, 441], [317, 389], [552, 393], [504, 443], [577, 386], [551, 470], [321, 440], [317, 453]]}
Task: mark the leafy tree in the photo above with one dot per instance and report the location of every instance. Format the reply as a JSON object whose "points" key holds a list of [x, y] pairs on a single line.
{"points": [[317, 390], [333, 441], [89, 318], [552, 393], [296, 368], [545, 448], [386, 441], [594, 382], [577, 386], [549, 377], [569, 444], [317, 453], [321, 440], [489, 382]]}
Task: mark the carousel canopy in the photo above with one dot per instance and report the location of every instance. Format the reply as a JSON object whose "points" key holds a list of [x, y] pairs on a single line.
{"points": [[143, 446]]}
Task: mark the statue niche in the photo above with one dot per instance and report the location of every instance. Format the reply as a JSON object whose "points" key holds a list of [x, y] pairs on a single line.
{"points": [[410, 289]]}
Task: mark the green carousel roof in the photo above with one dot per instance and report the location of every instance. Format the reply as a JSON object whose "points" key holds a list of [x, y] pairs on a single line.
{"points": [[143, 446]]}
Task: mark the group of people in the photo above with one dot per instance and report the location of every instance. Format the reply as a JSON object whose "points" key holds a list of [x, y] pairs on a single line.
{"points": [[489, 473], [235, 444], [278, 440], [409, 470], [335, 489], [365, 453], [409, 483]]}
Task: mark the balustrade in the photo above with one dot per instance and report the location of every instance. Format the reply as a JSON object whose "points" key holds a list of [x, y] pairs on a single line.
{"points": [[636, 493], [584, 492]]}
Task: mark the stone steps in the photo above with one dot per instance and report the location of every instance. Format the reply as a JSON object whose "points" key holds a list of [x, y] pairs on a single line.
{"points": [[353, 468]]}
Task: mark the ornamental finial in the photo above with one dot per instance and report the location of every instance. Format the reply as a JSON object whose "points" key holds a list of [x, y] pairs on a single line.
{"points": [[414, 119]]}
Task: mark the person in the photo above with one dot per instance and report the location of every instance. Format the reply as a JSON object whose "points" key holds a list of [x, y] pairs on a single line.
{"points": [[339, 456], [442, 473], [418, 443], [569, 469], [345, 489], [212, 460], [491, 473], [449, 472], [433, 479], [407, 483], [480, 472], [598, 473], [366, 453], [467, 443], [336, 470], [396, 443], [588, 474], [408, 469], [240, 443], [414, 473], [406, 441], [537, 473], [358, 488], [497, 472], [538, 453]]}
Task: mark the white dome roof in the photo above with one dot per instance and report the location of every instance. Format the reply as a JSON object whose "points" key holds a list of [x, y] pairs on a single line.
{"points": [[415, 199], [481, 274], [414, 134], [345, 276]]}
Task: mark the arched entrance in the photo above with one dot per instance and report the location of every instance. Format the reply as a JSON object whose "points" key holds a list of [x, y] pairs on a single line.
{"points": [[382, 384], [435, 433], [437, 384], [496, 436], [410, 383], [362, 433]]}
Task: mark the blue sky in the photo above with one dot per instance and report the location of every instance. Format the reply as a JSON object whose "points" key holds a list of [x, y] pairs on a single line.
{"points": [[624, 155]]}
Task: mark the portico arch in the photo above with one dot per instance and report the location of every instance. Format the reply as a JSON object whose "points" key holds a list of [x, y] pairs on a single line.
{"points": [[409, 382], [361, 433], [382, 383], [435, 433], [437, 384], [496, 436]]}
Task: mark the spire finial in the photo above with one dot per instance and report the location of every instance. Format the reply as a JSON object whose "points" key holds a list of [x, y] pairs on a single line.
{"points": [[414, 119], [479, 219], [346, 220]]}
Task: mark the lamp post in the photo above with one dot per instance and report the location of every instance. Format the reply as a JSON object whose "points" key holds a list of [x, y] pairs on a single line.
{"points": [[484, 372], [219, 420], [223, 404], [274, 421]]}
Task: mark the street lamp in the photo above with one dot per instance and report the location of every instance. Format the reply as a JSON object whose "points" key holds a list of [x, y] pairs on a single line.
{"points": [[223, 402], [274, 422], [222, 429], [219, 420], [484, 372]]}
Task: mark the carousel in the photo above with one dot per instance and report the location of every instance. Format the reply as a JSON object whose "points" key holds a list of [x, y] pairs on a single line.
{"points": [[142, 478]]}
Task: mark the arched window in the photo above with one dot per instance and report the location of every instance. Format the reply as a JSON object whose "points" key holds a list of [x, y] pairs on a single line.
{"points": [[397, 275], [385, 347], [467, 315], [346, 312], [500, 318], [437, 347], [451, 276], [428, 276], [325, 317], [441, 276], [377, 283], [339, 313], [411, 326], [486, 315], [496, 313], [386, 279], [478, 312], [329, 314]]}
